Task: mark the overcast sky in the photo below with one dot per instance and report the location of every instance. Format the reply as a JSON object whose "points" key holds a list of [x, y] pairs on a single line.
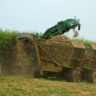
{"points": [[39, 15]]}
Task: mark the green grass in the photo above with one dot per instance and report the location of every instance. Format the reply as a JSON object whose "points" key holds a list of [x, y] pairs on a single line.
{"points": [[81, 40], [20, 86], [7, 41]]}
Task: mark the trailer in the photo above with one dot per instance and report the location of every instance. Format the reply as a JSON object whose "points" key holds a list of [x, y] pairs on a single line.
{"points": [[88, 65], [70, 60], [61, 59]]}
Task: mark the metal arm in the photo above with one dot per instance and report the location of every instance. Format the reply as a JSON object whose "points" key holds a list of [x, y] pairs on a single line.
{"points": [[61, 28]]}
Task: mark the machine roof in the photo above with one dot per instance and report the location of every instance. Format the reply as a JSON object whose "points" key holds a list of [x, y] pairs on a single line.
{"points": [[23, 35]]}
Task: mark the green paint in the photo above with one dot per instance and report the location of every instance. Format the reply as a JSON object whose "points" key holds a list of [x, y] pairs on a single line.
{"points": [[61, 27]]}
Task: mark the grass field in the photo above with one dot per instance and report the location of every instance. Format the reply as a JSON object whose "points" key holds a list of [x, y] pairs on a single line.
{"points": [[20, 86]]}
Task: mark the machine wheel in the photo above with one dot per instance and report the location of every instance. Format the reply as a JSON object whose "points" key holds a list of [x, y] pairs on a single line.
{"points": [[78, 76], [72, 76], [46, 77], [36, 73], [92, 77]]}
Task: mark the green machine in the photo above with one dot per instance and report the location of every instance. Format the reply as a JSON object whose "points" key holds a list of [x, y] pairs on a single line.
{"points": [[61, 27], [70, 60]]}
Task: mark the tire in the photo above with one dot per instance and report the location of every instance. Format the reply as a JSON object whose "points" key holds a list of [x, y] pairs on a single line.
{"points": [[45, 77], [92, 77], [36, 74], [78, 76], [72, 76]]}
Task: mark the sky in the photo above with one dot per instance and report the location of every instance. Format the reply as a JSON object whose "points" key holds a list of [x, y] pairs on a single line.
{"points": [[39, 15]]}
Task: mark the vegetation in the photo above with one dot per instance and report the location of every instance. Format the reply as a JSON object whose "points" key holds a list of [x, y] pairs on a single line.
{"points": [[7, 41], [20, 86], [81, 40]]}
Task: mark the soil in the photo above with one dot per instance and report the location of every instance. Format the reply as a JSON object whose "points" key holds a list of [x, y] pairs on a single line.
{"points": [[59, 39], [75, 33], [25, 62]]}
